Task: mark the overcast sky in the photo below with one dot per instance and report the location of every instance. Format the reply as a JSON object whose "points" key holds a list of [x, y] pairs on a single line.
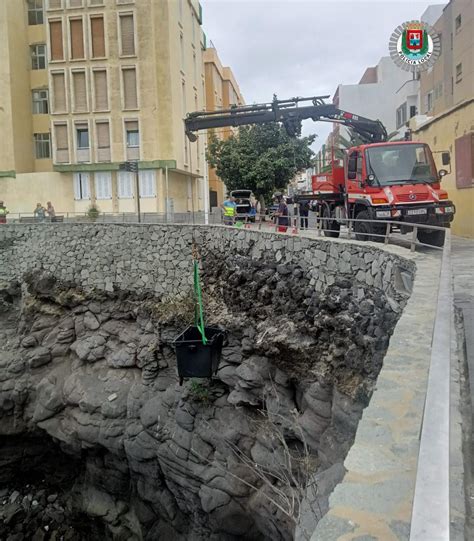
{"points": [[302, 47]]}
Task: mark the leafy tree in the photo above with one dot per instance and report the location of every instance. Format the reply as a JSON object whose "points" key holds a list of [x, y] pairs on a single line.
{"points": [[262, 158]]}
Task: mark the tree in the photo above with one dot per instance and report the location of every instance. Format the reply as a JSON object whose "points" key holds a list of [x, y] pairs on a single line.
{"points": [[262, 158]]}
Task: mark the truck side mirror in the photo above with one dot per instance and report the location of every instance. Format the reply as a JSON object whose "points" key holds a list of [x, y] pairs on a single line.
{"points": [[442, 173], [352, 168], [445, 158]]}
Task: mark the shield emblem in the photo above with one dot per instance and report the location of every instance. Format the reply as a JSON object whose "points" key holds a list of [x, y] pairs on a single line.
{"points": [[414, 39]]}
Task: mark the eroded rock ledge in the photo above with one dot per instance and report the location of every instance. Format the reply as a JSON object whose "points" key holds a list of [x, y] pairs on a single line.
{"points": [[91, 373]]}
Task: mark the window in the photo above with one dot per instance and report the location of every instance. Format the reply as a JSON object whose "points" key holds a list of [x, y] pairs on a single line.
{"points": [[80, 92], [97, 37], [103, 141], [457, 23], [401, 115], [38, 57], [40, 102], [146, 183], [75, 3], [125, 185], [458, 73], [56, 40], [77, 39], [464, 156], [82, 136], [132, 133], [35, 12], [429, 101], [127, 34], [59, 92], [103, 185], [81, 186], [100, 90], [61, 139], [130, 98], [42, 146], [413, 111], [55, 4], [181, 45]]}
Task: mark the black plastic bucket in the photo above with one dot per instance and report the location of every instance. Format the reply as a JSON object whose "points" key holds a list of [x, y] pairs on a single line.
{"points": [[195, 359]]}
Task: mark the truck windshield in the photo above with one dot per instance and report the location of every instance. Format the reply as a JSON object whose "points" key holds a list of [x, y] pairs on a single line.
{"points": [[395, 164]]}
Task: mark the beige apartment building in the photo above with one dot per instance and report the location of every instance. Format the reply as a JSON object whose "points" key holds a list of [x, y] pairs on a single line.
{"points": [[222, 91], [447, 99], [89, 84]]}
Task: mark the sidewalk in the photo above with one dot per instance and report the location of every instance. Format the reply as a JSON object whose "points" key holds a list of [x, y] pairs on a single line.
{"points": [[462, 259]]}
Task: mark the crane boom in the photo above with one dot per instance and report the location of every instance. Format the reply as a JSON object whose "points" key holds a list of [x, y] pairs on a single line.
{"points": [[289, 113]]}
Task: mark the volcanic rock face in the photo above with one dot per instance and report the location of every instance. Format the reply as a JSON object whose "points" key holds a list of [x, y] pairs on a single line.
{"points": [[92, 375]]}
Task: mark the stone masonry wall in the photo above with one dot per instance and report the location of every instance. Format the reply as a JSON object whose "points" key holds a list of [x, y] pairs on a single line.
{"points": [[156, 259]]}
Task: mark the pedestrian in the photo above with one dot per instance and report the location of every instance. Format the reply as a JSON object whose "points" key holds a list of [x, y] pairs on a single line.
{"points": [[51, 212], [3, 213], [230, 209], [304, 213], [39, 212], [282, 215]]}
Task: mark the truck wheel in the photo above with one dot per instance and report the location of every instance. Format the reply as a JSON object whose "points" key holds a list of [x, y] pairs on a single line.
{"points": [[331, 227], [431, 236], [363, 230]]}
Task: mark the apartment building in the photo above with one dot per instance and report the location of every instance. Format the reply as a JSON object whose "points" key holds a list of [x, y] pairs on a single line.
{"points": [[90, 84], [447, 105], [222, 91]]}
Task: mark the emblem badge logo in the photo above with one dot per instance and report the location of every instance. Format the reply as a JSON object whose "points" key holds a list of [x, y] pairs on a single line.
{"points": [[414, 46], [412, 196]]}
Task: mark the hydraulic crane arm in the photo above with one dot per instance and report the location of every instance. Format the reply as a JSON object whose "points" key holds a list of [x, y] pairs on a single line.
{"points": [[289, 113]]}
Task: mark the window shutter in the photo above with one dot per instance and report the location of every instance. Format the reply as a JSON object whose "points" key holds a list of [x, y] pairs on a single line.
{"points": [[131, 125], [464, 157], [77, 186], [103, 141], [125, 185], [100, 90], [77, 42], [147, 183], [75, 3], [128, 35], [59, 90], [103, 185], [56, 39], [80, 93], [103, 135], [98, 41], [130, 88], [61, 137], [54, 4]]}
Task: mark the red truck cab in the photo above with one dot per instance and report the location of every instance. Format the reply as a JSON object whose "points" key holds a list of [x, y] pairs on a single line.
{"points": [[395, 181]]}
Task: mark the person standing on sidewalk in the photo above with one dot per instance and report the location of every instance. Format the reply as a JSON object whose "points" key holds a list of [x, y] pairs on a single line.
{"points": [[50, 210], [282, 215], [3, 213], [230, 209], [304, 213]]}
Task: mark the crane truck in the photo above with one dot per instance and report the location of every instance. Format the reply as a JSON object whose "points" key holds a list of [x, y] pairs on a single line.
{"points": [[378, 181]]}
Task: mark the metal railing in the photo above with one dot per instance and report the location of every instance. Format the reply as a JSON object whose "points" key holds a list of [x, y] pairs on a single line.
{"points": [[383, 231]]}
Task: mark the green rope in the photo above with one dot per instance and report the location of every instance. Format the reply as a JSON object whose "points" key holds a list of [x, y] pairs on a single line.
{"points": [[199, 314]]}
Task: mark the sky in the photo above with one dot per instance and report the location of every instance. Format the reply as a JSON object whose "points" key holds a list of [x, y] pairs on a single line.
{"points": [[303, 47]]}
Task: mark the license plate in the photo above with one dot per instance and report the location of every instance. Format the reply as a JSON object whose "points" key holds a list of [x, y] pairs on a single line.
{"points": [[412, 212]]}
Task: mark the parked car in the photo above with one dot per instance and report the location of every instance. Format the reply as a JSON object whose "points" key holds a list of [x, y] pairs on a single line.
{"points": [[245, 210]]}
